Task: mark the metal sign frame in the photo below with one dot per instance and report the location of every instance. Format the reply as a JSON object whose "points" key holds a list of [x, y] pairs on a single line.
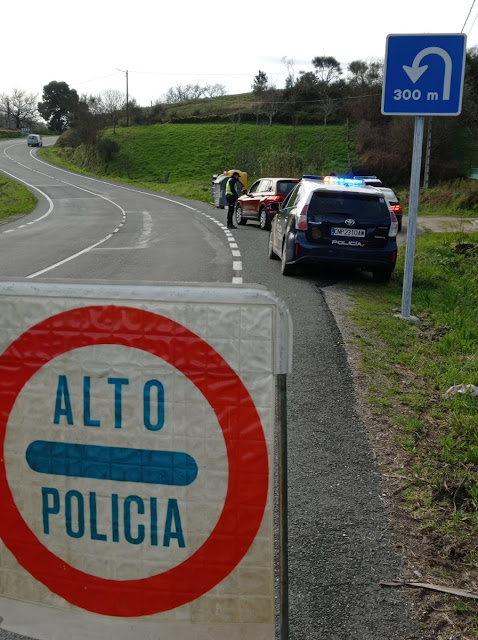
{"points": [[85, 310]]}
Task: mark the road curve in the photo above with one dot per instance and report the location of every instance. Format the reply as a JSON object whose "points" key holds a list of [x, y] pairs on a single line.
{"points": [[85, 228]]}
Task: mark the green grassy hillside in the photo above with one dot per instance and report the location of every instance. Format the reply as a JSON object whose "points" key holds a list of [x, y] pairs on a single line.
{"points": [[181, 158]]}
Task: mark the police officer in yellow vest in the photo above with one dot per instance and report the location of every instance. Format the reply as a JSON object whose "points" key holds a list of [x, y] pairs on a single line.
{"points": [[233, 191]]}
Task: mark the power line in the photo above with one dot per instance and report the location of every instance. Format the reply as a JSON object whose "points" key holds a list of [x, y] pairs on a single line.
{"points": [[471, 28], [469, 12], [226, 74], [94, 79]]}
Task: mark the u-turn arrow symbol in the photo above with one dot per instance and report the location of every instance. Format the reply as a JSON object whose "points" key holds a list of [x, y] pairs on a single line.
{"points": [[415, 71]]}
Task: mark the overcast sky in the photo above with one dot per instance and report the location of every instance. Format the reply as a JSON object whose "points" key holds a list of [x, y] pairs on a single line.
{"points": [[163, 44]]}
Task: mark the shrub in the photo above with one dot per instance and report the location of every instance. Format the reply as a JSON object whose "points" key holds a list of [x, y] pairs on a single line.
{"points": [[7, 134], [106, 149], [69, 138], [279, 161]]}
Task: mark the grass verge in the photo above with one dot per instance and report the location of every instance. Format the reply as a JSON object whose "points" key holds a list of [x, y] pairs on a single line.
{"points": [[14, 198], [408, 368]]}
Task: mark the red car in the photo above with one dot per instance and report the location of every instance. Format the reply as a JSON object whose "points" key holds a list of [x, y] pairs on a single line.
{"points": [[262, 201]]}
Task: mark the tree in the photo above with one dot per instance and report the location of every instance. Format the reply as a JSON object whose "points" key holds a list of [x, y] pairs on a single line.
{"points": [[113, 102], [470, 89], [358, 70], [186, 92], [271, 101], [365, 74], [261, 83], [307, 85], [19, 109], [58, 105], [5, 111], [327, 69], [86, 123], [214, 90], [327, 108], [289, 64]]}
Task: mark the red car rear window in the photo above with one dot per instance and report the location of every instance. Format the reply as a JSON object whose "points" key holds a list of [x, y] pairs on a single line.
{"points": [[285, 186]]}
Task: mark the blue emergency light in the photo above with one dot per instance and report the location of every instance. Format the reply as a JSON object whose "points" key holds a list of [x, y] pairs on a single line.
{"points": [[349, 182]]}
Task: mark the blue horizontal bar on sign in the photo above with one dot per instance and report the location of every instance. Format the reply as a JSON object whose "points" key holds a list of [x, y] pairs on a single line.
{"points": [[112, 463]]}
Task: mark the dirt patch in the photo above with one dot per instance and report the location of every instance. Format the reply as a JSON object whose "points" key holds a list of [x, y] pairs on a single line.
{"points": [[432, 557], [438, 224], [466, 249]]}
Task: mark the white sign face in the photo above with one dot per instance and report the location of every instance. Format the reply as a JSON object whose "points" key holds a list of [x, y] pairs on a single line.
{"points": [[136, 479]]}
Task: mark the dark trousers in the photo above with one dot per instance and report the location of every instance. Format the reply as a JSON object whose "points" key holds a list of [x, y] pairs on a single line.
{"points": [[231, 203]]}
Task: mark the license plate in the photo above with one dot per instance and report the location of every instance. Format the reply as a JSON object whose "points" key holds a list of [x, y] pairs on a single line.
{"points": [[354, 233]]}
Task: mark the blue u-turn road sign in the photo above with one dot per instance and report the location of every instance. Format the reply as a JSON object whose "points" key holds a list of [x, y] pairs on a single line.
{"points": [[423, 74]]}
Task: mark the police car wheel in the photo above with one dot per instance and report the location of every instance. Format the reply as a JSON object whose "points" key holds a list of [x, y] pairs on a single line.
{"points": [[286, 268], [271, 252]]}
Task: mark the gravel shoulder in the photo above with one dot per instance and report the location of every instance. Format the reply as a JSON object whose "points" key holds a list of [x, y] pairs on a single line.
{"points": [[434, 611]]}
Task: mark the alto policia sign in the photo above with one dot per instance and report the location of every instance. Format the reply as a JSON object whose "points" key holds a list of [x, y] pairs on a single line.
{"points": [[423, 76], [137, 451]]}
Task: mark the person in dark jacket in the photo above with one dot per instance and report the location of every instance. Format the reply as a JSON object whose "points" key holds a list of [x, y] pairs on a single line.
{"points": [[233, 191]]}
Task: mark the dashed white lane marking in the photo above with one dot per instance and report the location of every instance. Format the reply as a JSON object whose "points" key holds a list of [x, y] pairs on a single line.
{"points": [[236, 265]]}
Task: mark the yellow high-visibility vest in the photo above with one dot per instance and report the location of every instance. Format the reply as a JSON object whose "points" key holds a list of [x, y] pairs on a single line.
{"points": [[228, 187]]}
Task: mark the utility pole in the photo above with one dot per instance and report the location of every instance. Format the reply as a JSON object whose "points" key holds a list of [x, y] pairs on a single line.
{"points": [[127, 101]]}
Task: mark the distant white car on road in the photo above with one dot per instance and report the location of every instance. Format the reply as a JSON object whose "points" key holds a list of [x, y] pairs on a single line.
{"points": [[34, 140]]}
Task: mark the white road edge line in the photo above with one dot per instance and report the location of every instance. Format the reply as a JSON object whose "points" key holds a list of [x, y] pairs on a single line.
{"points": [[49, 200]]}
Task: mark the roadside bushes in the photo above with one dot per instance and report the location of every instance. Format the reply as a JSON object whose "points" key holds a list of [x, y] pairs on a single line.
{"points": [[69, 138], [92, 157], [7, 134], [107, 148], [458, 196], [279, 161]]}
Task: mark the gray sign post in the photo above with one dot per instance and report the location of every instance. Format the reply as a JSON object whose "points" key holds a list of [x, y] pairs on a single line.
{"points": [[423, 76]]}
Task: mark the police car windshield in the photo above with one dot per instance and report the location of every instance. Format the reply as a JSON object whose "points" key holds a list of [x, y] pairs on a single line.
{"points": [[355, 205]]}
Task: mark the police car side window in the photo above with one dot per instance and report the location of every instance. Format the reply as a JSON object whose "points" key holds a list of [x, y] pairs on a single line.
{"points": [[295, 196], [288, 202]]}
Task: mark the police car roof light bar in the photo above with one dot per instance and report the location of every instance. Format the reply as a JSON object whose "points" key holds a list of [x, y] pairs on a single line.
{"points": [[349, 182]]}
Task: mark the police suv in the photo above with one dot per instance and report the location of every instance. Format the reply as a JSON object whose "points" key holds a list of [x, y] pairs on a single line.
{"points": [[335, 221]]}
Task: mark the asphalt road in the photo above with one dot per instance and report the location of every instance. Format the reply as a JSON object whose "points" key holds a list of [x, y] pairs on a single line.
{"points": [[339, 546]]}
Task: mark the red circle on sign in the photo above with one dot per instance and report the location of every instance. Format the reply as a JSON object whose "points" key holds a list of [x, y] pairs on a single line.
{"points": [[248, 465]]}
